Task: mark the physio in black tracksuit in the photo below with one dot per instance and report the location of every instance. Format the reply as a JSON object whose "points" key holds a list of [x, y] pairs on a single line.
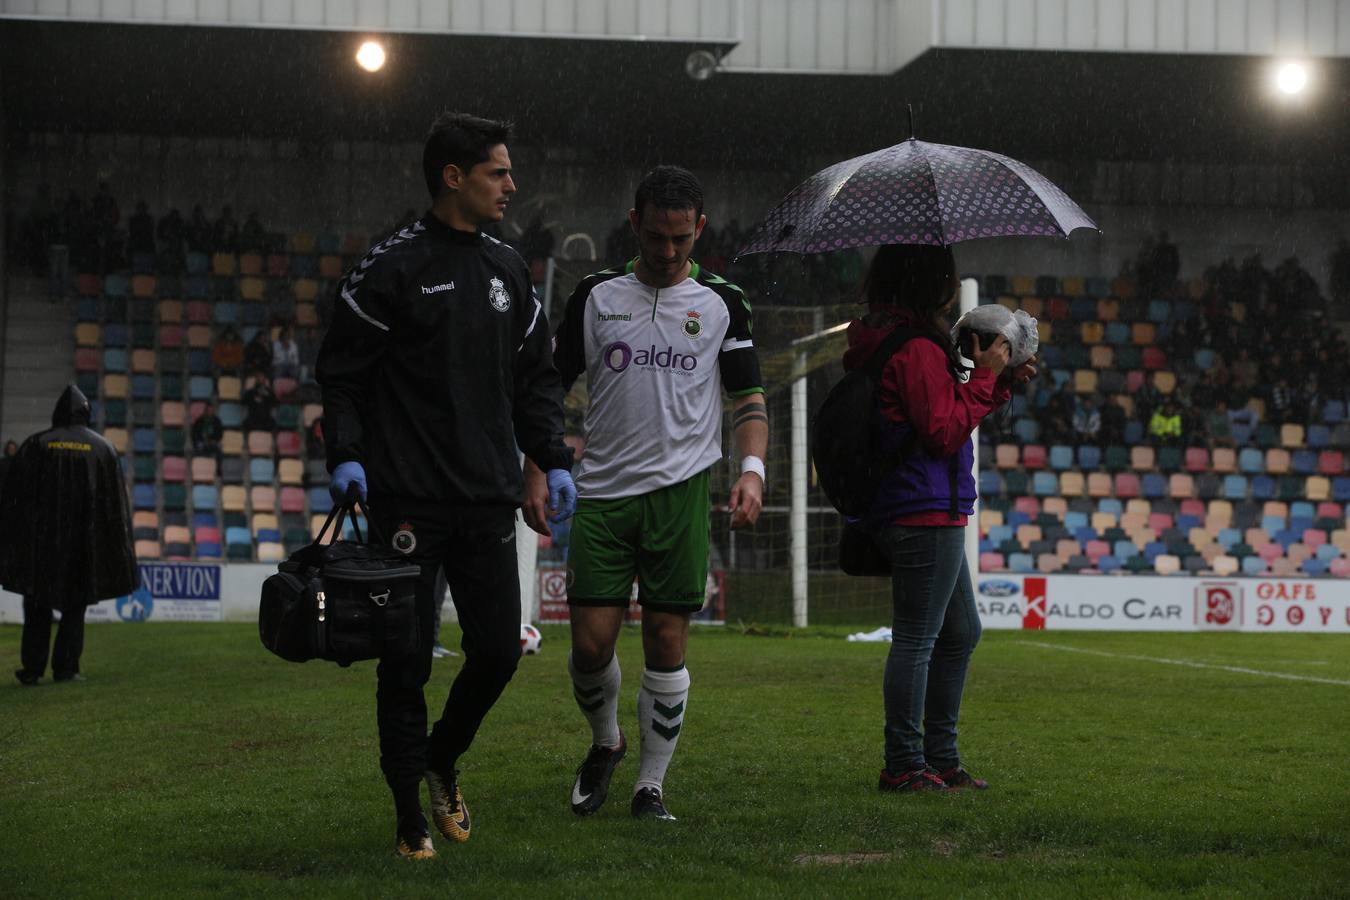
{"points": [[437, 366]]}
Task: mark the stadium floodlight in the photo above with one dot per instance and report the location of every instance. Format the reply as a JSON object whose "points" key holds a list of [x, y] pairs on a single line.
{"points": [[370, 56], [700, 65], [1292, 78]]}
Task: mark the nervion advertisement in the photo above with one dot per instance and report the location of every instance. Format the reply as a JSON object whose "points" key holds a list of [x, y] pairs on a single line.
{"points": [[168, 592], [1143, 603]]}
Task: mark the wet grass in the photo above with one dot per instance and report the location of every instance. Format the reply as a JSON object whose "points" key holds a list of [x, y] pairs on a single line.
{"points": [[192, 762]]}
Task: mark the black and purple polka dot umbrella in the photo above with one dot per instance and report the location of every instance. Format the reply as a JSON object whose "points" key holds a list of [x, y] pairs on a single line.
{"points": [[916, 193]]}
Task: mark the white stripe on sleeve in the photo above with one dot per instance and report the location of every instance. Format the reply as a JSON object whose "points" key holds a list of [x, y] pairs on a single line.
{"points": [[733, 344], [351, 301], [533, 321]]}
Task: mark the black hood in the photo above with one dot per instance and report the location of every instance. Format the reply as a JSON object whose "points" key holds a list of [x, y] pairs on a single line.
{"points": [[71, 409]]}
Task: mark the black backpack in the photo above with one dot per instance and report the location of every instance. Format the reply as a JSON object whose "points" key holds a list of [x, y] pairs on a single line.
{"points": [[848, 463]]}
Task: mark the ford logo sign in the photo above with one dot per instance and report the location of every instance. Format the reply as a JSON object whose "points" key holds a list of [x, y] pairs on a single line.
{"points": [[999, 588]]}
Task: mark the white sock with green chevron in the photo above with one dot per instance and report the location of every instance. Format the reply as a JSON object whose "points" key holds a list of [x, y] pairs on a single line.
{"points": [[597, 696], [661, 702]]}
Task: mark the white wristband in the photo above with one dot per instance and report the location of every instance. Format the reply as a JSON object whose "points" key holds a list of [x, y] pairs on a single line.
{"points": [[753, 464]]}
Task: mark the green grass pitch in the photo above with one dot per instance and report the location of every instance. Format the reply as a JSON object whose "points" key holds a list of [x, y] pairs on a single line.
{"points": [[193, 763]]}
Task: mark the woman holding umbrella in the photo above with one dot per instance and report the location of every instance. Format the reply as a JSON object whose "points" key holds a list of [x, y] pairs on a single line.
{"points": [[914, 200], [930, 404]]}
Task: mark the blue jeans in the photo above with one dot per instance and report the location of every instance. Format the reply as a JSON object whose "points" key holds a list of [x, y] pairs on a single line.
{"points": [[934, 629]]}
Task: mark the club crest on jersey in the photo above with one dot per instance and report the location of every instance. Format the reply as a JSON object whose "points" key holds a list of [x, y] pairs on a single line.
{"points": [[692, 326], [497, 295]]}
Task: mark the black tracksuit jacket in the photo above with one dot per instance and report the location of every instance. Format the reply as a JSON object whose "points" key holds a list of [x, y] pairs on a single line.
{"points": [[436, 366]]}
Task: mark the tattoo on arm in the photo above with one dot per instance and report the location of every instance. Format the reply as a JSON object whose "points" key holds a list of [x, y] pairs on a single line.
{"points": [[750, 412]]}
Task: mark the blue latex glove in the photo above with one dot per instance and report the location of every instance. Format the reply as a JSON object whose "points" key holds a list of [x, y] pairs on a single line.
{"points": [[562, 494], [346, 477]]}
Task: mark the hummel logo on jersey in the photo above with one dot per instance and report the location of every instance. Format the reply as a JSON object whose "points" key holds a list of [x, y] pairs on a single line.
{"points": [[616, 317], [437, 288]]}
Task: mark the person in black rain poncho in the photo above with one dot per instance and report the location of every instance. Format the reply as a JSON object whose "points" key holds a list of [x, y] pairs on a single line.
{"points": [[65, 535]]}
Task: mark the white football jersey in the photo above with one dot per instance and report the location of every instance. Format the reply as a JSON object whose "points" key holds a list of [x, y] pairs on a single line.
{"points": [[656, 363]]}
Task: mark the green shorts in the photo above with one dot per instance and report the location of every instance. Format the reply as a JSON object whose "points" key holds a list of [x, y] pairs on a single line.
{"points": [[660, 539]]}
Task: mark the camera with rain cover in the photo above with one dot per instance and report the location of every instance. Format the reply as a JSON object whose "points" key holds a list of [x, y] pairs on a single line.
{"points": [[967, 338], [986, 324]]}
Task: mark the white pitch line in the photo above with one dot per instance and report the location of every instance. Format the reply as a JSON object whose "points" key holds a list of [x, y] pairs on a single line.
{"points": [[1188, 663]]}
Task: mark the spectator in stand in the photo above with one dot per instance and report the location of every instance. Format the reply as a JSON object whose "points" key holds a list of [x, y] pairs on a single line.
{"points": [[114, 252], [1252, 280], [1147, 400], [259, 402], [285, 354], [104, 210], [199, 231], [1245, 370], [314, 446], [225, 233], [1165, 425], [1087, 421], [1200, 394], [1113, 420], [252, 237], [141, 231], [1311, 399], [1240, 415], [1059, 413], [172, 234], [1166, 265], [228, 353], [258, 354], [1220, 376], [1218, 427], [207, 431], [1280, 403]]}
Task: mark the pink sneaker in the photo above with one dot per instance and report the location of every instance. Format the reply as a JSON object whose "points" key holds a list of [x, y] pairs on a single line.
{"points": [[925, 779], [959, 779]]}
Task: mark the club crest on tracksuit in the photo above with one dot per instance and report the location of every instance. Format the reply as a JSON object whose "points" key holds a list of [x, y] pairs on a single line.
{"points": [[404, 540], [498, 296]]}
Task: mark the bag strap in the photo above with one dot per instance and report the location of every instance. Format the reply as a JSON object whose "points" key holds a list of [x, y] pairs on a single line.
{"points": [[340, 513], [890, 345], [372, 532], [337, 512]]}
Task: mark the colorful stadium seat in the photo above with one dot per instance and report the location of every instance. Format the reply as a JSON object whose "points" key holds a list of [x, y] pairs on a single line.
{"points": [[263, 498], [1033, 457]]}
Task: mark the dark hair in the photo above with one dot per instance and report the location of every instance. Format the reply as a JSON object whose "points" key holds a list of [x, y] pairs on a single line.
{"points": [[669, 187], [459, 139], [917, 277]]}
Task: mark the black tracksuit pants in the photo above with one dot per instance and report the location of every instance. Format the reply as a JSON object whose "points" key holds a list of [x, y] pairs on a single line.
{"points": [[477, 549], [65, 655]]}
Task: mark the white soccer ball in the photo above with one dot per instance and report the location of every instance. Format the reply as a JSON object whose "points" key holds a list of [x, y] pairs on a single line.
{"points": [[530, 639]]}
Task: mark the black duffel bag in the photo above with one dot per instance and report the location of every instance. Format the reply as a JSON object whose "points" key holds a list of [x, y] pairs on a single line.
{"points": [[342, 601]]}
